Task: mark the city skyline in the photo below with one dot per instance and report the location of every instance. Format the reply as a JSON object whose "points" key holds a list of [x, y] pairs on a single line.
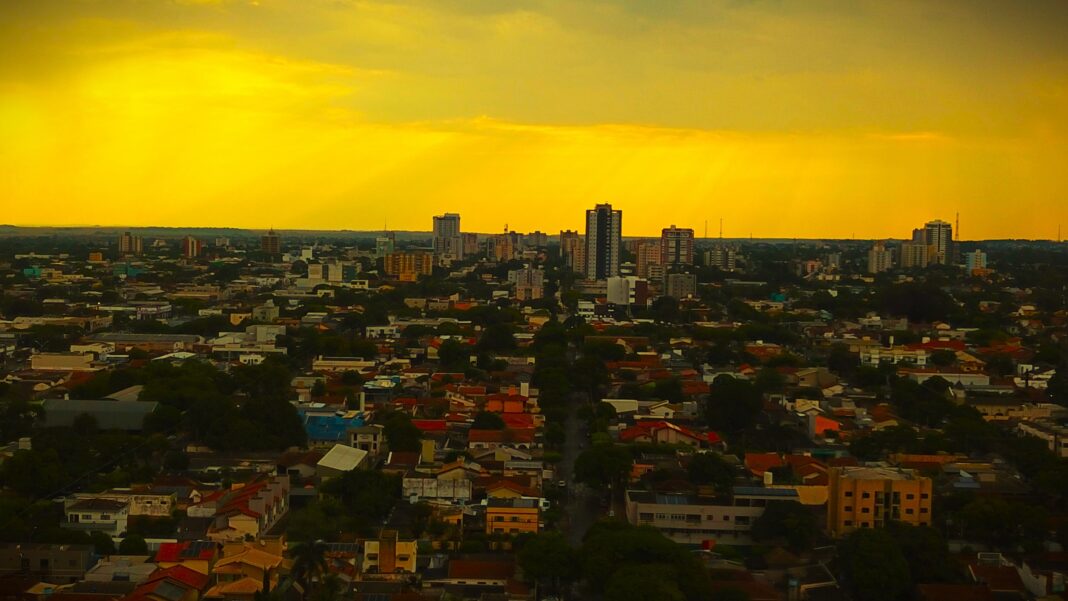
{"points": [[325, 115]]}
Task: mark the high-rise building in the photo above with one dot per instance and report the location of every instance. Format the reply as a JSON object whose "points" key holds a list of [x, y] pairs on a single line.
{"points": [[536, 239], [529, 283], [604, 237], [648, 256], [385, 244], [940, 238], [191, 247], [448, 243], [573, 250], [975, 260], [879, 258], [470, 244], [130, 244], [627, 290], [676, 246], [271, 243], [408, 266], [680, 285], [871, 497], [505, 246], [913, 254], [722, 257]]}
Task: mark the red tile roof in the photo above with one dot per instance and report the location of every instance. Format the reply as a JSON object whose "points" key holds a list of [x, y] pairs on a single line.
{"points": [[431, 425], [184, 551], [648, 429], [525, 435], [484, 570]]}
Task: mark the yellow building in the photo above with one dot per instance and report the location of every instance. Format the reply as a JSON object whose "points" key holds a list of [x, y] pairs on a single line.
{"points": [[511, 516], [389, 555], [869, 497], [408, 266]]}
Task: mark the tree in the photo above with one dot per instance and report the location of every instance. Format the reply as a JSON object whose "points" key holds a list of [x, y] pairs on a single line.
{"points": [[401, 434], [613, 548], [643, 583], [925, 551], [486, 420], [102, 543], [309, 563], [497, 338], [602, 465], [34, 472], [668, 390], [943, 358], [133, 545], [548, 557], [874, 566], [733, 405], [710, 468], [790, 521], [453, 356]]}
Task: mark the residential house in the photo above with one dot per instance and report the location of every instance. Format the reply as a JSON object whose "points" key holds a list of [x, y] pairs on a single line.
{"points": [[512, 516], [97, 515]]}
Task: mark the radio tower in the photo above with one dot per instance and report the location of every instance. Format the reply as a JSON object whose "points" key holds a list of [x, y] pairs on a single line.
{"points": [[720, 228]]}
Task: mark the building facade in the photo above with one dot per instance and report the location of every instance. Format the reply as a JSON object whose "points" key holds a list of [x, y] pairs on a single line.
{"points": [[676, 246], [869, 497], [604, 238]]}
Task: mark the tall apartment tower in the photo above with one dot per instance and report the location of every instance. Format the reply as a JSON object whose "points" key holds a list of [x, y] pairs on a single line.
{"points": [[448, 242], [940, 241], [573, 250], [676, 246], [191, 247], [604, 237], [879, 258], [130, 244], [271, 243]]}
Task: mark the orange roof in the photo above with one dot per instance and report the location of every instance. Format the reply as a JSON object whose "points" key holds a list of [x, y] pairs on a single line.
{"points": [[758, 463]]}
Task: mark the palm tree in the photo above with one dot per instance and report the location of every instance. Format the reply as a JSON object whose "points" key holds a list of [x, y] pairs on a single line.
{"points": [[309, 563]]}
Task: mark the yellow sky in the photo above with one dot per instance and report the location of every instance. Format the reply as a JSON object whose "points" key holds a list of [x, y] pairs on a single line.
{"points": [[806, 118]]}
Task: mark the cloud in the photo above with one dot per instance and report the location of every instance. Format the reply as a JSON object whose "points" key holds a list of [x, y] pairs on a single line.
{"points": [[784, 118]]}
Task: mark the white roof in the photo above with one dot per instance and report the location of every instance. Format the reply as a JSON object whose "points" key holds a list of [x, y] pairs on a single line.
{"points": [[343, 458]]}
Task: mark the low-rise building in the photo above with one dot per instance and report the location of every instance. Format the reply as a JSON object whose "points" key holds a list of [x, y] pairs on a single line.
{"points": [[97, 515], [512, 516], [389, 555], [693, 520], [869, 497]]}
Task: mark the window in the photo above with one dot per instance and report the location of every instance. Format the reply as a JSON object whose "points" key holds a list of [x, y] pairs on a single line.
{"points": [[849, 493], [924, 495], [908, 511], [865, 510], [848, 508], [923, 510], [847, 523], [910, 496], [866, 495], [742, 520], [865, 525], [648, 517], [105, 516], [726, 518]]}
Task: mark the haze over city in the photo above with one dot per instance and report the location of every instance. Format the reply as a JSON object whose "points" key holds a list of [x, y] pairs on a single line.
{"points": [[786, 119]]}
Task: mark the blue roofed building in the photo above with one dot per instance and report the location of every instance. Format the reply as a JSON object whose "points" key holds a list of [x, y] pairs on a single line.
{"points": [[325, 428]]}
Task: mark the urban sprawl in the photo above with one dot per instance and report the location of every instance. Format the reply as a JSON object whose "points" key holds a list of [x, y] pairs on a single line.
{"points": [[328, 416]]}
